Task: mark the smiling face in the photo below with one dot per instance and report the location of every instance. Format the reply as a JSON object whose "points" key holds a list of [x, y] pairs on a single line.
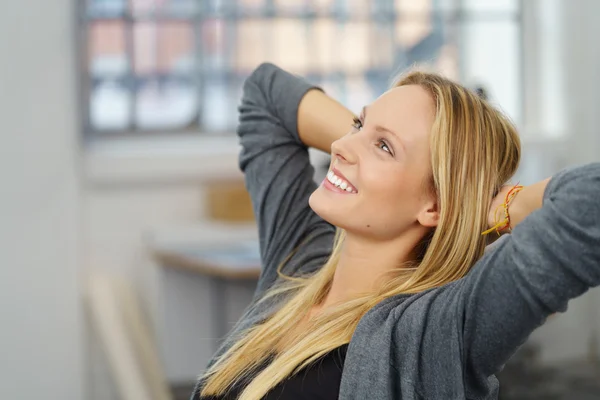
{"points": [[379, 181]]}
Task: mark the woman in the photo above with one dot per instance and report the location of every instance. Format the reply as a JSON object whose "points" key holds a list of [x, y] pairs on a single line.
{"points": [[388, 311]]}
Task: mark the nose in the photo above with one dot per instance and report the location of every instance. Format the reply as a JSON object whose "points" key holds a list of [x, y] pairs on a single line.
{"points": [[344, 151]]}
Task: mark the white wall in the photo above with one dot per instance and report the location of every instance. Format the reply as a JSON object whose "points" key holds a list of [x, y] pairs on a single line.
{"points": [[40, 328], [582, 77], [575, 333]]}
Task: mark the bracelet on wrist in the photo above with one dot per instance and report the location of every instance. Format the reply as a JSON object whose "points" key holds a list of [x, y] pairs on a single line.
{"points": [[502, 223]]}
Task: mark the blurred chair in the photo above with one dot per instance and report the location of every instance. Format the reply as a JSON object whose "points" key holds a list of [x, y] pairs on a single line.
{"points": [[127, 341]]}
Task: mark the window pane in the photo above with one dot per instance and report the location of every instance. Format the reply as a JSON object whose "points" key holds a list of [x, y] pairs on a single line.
{"points": [[214, 44], [110, 104], [220, 75], [179, 8], [110, 96], [176, 8], [291, 5], [106, 48], [323, 50], [496, 68], [251, 4], [353, 50], [289, 47], [382, 46], [322, 6], [145, 47], [410, 32], [359, 92], [105, 8], [418, 8], [175, 48], [251, 37], [166, 90], [447, 61], [142, 7], [426, 42], [356, 9], [282, 41], [165, 102], [221, 94], [496, 6], [185, 60]]}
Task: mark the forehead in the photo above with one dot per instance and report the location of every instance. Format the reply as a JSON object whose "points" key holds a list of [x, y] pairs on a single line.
{"points": [[403, 109]]}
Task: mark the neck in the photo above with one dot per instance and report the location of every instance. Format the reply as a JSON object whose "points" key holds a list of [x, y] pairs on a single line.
{"points": [[364, 262]]}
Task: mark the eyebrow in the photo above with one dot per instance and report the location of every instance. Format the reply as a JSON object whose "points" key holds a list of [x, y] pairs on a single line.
{"points": [[380, 128]]}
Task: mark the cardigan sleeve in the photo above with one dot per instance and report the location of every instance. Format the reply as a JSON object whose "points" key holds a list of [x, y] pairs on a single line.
{"points": [[278, 173], [550, 258]]}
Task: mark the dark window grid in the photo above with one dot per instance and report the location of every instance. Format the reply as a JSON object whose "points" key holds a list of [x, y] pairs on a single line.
{"points": [[380, 10], [234, 78], [233, 82], [450, 16]]}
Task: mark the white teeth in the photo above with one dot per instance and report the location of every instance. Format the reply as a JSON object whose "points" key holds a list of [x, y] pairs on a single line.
{"points": [[335, 180]]}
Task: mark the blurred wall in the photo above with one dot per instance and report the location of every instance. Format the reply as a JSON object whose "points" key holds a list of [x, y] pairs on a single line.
{"points": [[40, 315], [576, 333], [582, 78], [117, 218]]}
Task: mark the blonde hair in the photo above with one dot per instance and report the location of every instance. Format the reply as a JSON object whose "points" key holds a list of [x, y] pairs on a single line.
{"points": [[475, 150]]}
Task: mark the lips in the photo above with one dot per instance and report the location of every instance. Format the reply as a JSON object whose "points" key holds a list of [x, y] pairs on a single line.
{"points": [[339, 181]]}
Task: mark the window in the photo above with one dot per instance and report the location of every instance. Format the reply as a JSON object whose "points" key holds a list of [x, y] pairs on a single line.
{"points": [[178, 65]]}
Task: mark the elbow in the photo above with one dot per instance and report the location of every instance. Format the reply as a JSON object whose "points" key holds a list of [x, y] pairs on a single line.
{"points": [[579, 183], [256, 89], [260, 78]]}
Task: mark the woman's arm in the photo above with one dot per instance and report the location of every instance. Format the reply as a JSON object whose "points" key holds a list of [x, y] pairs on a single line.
{"points": [[551, 257], [322, 120], [280, 114], [529, 199]]}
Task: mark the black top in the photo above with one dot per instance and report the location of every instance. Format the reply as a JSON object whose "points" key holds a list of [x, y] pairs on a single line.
{"points": [[320, 380]]}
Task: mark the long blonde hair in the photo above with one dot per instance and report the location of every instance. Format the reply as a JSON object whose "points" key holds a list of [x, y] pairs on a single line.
{"points": [[475, 150]]}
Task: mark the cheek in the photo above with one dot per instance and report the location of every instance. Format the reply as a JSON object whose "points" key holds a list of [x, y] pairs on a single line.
{"points": [[392, 193], [385, 183], [386, 200]]}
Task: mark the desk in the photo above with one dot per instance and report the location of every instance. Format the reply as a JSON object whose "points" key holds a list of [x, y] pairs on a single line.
{"points": [[221, 264]]}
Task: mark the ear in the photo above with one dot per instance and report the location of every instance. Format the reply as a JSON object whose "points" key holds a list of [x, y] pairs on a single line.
{"points": [[429, 216]]}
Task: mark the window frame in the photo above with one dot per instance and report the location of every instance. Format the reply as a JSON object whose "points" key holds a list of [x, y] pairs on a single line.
{"points": [[193, 155], [453, 17]]}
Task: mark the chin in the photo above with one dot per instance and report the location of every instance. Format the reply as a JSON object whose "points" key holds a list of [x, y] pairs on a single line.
{"points": [[325, 207]]}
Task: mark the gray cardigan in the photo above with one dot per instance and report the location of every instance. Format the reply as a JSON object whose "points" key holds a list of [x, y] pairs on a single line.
{"points": [[445, 343]]}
